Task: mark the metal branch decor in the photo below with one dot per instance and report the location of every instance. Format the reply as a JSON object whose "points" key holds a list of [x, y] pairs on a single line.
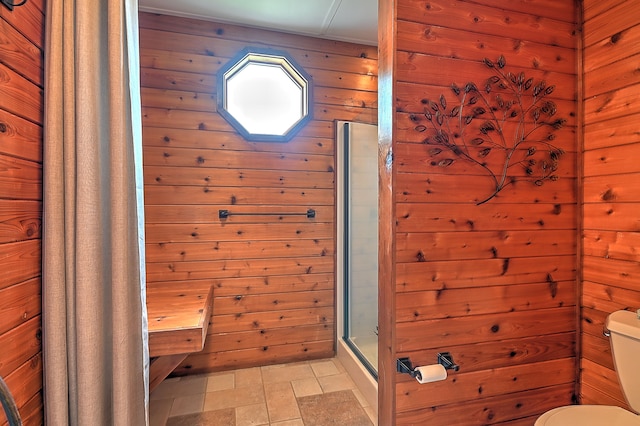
{"points": [[509, 121]]}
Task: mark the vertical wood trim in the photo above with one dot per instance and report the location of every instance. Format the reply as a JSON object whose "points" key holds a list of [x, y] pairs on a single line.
{"points": [[387, 23], [580, 188]]}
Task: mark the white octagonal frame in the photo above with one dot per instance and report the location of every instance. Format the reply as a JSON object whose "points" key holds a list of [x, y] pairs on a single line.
{"points": [[264, 94]]}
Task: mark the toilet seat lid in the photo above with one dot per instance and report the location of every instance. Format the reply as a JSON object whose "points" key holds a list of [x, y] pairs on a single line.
{"points": [[588, 415]]}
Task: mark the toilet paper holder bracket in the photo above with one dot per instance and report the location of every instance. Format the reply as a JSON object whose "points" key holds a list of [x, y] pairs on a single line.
{"points": [[446, 360], [404, 365]]}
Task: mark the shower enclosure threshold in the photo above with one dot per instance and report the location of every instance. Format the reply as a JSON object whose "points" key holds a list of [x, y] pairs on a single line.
{"points": [[363, 379]]}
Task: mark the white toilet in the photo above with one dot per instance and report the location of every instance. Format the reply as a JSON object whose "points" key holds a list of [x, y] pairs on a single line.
{"points": [[624, 330]]}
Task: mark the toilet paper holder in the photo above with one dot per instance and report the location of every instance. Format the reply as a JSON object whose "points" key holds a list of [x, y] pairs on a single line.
{"points": [[404, 365]]}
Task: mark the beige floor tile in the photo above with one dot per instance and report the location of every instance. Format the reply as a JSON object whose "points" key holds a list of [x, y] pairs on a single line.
{"points": [[281, 401], [188, 404], [159, 411], [221, 382], [226, 417], [286, 373], [252, 415], [324, 368], [248, 377], [184, 386], [233, 398], [306, 387], [336, 383], [163, 390], [295, 422]]}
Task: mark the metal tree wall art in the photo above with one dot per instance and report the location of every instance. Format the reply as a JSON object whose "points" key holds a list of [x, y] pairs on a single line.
{"points": [[509, 121]]}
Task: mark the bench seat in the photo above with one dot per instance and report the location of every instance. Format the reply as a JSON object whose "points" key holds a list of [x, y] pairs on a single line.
{"points": [[178, 321]]}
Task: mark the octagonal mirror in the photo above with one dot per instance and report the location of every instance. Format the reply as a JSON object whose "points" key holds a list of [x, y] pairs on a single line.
{"points": [[264, 95]]}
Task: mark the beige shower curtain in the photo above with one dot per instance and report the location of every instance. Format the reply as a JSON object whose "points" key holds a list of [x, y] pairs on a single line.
{"points": [[94, 312]]}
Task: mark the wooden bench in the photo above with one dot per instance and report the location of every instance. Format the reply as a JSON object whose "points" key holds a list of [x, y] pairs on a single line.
{"points": [[178, 321]]}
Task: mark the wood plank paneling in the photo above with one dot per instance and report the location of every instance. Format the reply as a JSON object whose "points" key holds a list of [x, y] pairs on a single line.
{"points": [[21, 112], [273, 276], [610, 193], [494, 284]]}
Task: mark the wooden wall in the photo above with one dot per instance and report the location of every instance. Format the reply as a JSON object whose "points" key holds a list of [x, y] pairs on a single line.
{"points": [[611, 185], [494, 284], [21, 110], [273, 275]]}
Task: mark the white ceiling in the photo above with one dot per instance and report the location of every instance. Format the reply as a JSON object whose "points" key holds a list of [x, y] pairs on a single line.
{"points": [[346, 20]]}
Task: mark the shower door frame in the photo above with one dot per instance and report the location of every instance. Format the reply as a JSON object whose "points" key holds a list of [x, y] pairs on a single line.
{"points": [[343, 179]]}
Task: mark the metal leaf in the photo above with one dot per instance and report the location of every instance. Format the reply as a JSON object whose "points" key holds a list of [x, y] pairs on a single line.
{"points": [[536, 114], [455, 88], [501, 62], [420, 128], [488, 62], [434, 151], [478, 111], [558, 124], [470, 87], [443, 102], [548, 108], [489, 125], [484, 152], [477, 141], [454, 111], [446, 162], [439, 118], [539, 88], [528, 84]]}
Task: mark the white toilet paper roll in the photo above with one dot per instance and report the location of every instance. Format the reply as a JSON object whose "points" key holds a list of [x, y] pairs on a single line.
{"points": [[430, 373]]}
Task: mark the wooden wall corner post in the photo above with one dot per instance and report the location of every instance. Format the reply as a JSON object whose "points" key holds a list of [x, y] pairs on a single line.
{"points": [[178, 321], [386, 207]]}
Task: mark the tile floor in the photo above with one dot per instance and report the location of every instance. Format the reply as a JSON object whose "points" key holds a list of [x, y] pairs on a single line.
{"points": [[314, 393]]}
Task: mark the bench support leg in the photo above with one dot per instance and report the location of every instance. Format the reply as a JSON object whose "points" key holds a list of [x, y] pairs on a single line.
{"points": [[161, 367]]}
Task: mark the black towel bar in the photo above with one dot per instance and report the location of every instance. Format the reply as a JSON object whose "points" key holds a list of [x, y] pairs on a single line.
{"points": [[223, 214]]}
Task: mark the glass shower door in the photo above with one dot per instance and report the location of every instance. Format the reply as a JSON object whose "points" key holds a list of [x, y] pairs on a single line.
{"points": [[361, 241]]}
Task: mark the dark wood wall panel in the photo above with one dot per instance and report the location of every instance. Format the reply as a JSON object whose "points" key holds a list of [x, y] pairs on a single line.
{"points": [[494, 284], [611, 191], [273, 276], [21, 111]]}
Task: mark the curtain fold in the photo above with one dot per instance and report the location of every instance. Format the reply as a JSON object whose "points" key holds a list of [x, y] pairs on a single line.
{"points": [[94, 310]]}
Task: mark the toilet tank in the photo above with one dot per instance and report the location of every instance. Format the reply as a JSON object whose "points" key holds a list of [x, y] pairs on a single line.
{"points": [[624, 327]]}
